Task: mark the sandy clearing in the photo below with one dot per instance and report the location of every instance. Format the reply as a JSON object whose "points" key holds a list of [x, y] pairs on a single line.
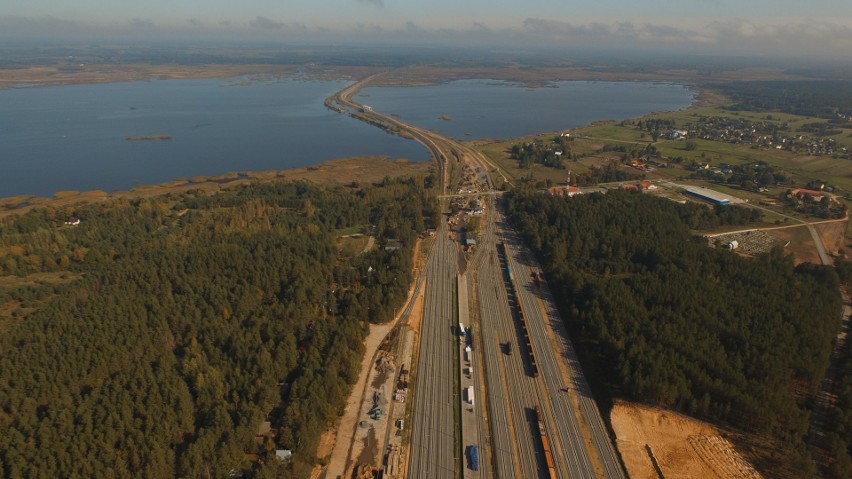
{"points": [[833, 236], [346, 427], [801, 244], [345, 445], [680, 446]]}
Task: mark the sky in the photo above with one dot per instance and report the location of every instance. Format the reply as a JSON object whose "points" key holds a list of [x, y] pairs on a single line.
{"points": [[821, 28]]}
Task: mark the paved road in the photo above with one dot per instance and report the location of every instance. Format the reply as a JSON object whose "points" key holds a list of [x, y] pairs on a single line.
{"points": [[823, 256], [512, 444], [433, 452]]}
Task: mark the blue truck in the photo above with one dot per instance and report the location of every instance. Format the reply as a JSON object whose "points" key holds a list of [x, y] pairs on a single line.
{"points": [[473, 457]]}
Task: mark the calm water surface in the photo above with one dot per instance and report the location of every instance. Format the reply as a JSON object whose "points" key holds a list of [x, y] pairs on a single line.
{"points": [[496, 109], [74, 137]]}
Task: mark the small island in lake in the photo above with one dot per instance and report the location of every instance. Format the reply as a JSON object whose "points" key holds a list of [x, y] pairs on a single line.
{"points": [[149, 137]]}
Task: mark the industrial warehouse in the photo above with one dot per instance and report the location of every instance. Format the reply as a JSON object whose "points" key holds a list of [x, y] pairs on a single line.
{"points": [[712, 196]]}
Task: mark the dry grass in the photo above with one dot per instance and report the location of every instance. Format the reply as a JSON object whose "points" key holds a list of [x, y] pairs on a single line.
{"points": [[59, 277], [801, 245], [352, 246], [833, 237]]}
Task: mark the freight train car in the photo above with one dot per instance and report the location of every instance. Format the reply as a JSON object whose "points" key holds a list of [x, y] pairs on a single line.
{"points": [[545, 444]]}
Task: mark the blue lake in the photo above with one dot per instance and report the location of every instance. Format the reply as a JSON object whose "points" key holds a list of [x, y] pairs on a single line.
{"points": [[74, 137], [500, 110]]}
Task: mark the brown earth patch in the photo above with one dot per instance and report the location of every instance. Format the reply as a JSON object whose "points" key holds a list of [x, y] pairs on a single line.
{"points": [[57, 277], [833, 237], [654, 442], [801, 244], [326, 443]]}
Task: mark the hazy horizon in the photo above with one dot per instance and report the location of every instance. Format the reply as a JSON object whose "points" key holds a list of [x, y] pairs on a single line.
{"points": [[778, 28]]}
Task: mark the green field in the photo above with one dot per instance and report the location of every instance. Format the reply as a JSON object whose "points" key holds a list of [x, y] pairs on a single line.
{"points": [[589, 140], [354, 230]]}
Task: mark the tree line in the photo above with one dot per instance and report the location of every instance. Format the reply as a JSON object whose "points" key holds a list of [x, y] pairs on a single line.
{"points": [[196, 316], [659, 317], [826, 99], [839, 418]]}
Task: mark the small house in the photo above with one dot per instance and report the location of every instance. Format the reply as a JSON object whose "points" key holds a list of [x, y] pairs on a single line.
{"points": [[393, 245]]}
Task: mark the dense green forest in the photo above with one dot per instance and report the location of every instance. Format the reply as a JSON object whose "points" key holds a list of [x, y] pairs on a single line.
{"points": [[662, 318], [839, 420], [825, 99], [188, 320]]}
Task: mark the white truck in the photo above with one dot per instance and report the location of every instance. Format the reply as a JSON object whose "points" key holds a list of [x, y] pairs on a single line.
{"points": [[469, 393]]}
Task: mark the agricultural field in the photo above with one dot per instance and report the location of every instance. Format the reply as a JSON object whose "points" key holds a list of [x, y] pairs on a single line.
{"points": [[676, 159], [591, 139]]}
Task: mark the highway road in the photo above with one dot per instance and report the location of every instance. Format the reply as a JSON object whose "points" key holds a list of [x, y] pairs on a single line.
{"points": [[580, 443], [433, 443], [433, 452]]}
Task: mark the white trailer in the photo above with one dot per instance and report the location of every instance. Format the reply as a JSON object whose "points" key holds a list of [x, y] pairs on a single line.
{"points": [[461, 329], [469, 393]]}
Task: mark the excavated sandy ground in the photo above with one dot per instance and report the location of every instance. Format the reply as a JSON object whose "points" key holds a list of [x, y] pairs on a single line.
{"points": [[682, 447], [344, 447]]}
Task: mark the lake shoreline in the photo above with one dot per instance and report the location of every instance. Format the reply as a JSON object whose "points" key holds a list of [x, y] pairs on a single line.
{"points": [[120, 135], [30, 76], [337, 172], [256, 77]]}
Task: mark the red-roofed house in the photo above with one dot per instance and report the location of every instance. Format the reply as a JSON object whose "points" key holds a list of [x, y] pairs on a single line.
{"points": [[812, 194], [646, 185]]}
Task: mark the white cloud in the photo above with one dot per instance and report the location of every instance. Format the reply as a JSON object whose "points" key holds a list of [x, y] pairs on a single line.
{"points": [[733, 36], [831, 39], [141, 23], [266, 23]]}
